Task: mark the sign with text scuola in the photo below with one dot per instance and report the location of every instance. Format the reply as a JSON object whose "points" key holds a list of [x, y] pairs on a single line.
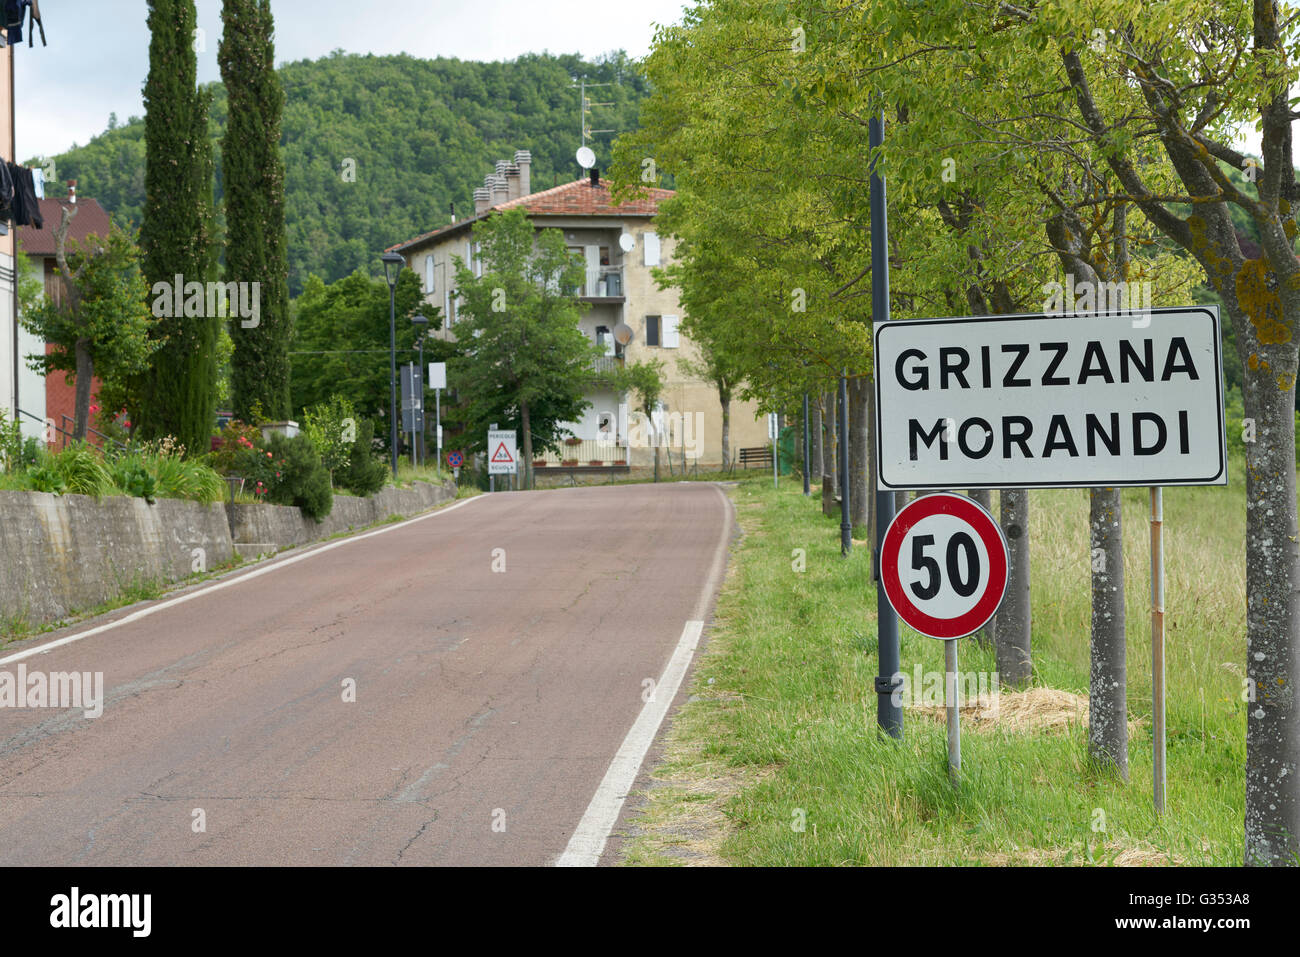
{"points": [[502, 455], [1030, 401]]}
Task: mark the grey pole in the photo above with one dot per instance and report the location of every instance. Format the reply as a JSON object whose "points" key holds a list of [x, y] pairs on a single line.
{"points": [[846, 527], [951, 691], [776, 433], [422, 441], [393, 411], [1158, 646], [889, 716], [807, 449]]}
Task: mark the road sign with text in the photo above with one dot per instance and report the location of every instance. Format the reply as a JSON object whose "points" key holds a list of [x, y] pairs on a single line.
{"points": [[1086, 400], [502, 457]]}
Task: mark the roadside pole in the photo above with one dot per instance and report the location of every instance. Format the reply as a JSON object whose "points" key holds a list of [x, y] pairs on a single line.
{"points": [[846, 527], [1158, 645], [889, 716], [951, 690]]}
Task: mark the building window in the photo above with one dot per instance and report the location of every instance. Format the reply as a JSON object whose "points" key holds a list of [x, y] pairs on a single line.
{"points": [[652, 330]]}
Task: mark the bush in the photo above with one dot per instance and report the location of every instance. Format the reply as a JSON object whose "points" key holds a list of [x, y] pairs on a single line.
{"points": [[83, 471], [131, 476], [300, 478], [365, 473], [46, 478], [332, 428]]}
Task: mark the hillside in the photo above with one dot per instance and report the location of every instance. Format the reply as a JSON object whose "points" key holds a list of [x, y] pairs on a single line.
{"points": [[422, 134]]}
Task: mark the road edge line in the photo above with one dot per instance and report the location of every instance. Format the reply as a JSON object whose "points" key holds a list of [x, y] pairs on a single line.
{"points": [[587, 844]]}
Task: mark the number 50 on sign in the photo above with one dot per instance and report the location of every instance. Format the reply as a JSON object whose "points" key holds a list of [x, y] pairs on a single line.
{"points": [[943, 564]]}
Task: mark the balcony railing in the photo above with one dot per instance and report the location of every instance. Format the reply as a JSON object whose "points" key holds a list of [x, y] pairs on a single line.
{"points": [[606, 364], [585, 452], [603, 282]]}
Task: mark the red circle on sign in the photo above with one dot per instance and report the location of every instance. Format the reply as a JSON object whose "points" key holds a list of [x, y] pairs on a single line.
{"points": [[995, 585]]}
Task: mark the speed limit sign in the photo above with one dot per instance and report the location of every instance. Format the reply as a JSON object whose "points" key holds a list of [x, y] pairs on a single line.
{"points": [[943, 564]]}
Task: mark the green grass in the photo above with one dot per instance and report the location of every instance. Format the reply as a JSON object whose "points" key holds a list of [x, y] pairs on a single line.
{"points": [[782, 724], [406, 474]]}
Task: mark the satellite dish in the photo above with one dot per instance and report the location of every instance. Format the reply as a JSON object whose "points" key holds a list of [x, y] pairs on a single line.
{"points": [[622, 333], [627, 242], [586, 158]]}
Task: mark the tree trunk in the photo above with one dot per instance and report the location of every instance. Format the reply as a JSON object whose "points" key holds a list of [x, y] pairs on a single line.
{"points": [[525, 423], [815, 467], [859, 500], [1272, 615], [830, 460], [85, 375], [1013, 632], [1108, 681], [985, 635], [726, 431]]}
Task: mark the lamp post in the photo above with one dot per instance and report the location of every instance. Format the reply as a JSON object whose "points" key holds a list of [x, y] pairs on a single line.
{"points": [[393, 264], [421, 324]]}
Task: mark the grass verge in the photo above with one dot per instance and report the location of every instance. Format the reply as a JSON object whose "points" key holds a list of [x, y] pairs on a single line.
{"points": [[775, 759]]}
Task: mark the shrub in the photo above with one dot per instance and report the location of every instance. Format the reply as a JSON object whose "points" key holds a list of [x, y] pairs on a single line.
{"points": [[46, 478], [131, 476], [300, 477], [365, 473], [83, 471], [332, 428]]}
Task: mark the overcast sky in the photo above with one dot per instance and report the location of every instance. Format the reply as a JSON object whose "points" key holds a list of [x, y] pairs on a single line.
{"points": [[98, 53]]}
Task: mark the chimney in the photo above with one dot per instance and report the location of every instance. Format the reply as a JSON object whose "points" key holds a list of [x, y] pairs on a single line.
{"points": [[452, 208], [524, 160], [499, 190], [72, 191], [512, 181], [595, 177], [482, 200]]}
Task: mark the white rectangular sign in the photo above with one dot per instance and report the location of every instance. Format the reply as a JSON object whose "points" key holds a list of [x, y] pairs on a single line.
{"points": [[437, 375], [771, 426], [1084, 400], [502, 457]]}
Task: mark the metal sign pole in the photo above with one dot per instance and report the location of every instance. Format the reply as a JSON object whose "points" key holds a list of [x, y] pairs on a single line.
{"points": [[951, 686], [437, 423], [889, 716], [846, 527], [1158, 645], [776, 432]]}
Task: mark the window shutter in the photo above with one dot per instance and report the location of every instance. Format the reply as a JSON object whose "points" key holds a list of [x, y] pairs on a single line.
{"points": [[428, 274], [650, 243], [652, 330], [670, 332]]}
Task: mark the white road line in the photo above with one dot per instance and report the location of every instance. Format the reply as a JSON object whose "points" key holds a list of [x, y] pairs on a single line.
{"points": [[587, 844], [227, 583]]}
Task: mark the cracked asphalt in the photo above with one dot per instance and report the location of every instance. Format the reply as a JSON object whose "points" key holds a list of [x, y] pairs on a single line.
{"points": [[488, 703]]}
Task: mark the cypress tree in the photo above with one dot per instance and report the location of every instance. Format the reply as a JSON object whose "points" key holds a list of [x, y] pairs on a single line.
{"points": [[253, 177], [176, 395]]}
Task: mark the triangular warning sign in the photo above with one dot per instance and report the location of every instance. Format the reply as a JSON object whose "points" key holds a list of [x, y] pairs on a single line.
{"points": [[502, 455]]}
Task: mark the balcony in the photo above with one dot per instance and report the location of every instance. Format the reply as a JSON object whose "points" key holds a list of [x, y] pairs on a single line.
{"points": [[606, 364], [603, 284], [574, 453]]}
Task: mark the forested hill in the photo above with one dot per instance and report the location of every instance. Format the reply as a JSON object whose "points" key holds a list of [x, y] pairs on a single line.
{"points": [[423, 133]]}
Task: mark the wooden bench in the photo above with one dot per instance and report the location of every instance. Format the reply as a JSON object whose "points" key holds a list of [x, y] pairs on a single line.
{"points": [[760, 455]]}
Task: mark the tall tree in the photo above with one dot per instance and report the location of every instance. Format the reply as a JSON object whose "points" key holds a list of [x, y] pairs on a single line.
{"points": [[100, 324], [253, 174], [176, 395], [526, 363]]}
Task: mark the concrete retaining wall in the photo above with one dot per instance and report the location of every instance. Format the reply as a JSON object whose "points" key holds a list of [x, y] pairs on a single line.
{"points": [[61, 554]]}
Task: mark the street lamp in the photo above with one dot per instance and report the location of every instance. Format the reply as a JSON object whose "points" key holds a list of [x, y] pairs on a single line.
{"points": [[393, 264], [421, 324]]}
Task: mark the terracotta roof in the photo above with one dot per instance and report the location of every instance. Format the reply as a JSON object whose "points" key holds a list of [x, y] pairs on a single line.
{"points": [[578, 198], [90, 220]]}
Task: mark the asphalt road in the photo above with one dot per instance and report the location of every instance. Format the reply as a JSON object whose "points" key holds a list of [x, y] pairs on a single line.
{"points": [[488, 706]]}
